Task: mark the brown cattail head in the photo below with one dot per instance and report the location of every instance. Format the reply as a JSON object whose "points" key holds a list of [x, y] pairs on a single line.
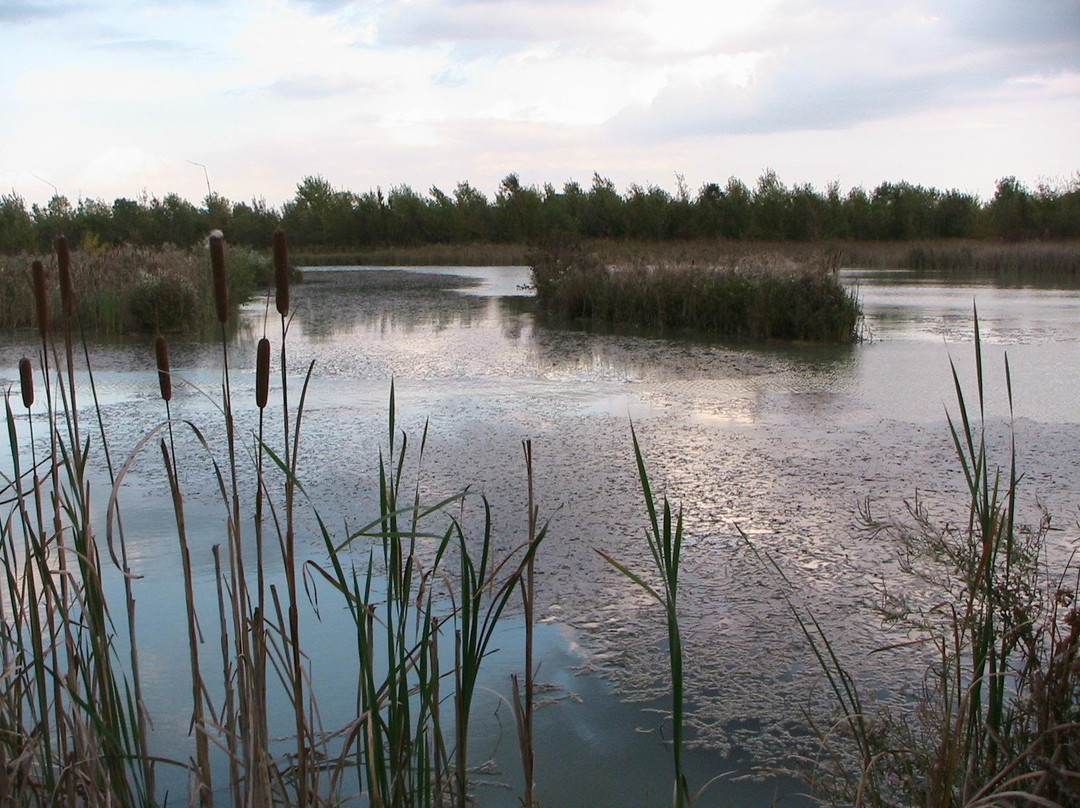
{"points": [[164, 374], [26, 382], [262, 373], [221, 281], [41, 298], [281, 272], [67, 291]]}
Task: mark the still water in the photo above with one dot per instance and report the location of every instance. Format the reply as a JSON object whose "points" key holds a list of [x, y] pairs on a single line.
{"points": [[781, 441]]}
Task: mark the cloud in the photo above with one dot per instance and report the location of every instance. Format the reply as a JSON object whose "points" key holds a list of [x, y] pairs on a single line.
{"points": [[432, 22], [318, 87], [28, 11], [831, 66], [146, 47]]}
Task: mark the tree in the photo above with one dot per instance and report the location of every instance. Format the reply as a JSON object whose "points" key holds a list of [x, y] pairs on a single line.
{"points": [[16, 226], [56, 219], [253, 224], [602, 212], [473, 214], [1011, 211], [770, 207]]}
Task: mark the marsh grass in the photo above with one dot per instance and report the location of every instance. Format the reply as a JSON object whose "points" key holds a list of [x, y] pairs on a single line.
{"points": [[1008, 263], [739, 294], [425, 606], [129, 290], [998, 719], [664, 536]]}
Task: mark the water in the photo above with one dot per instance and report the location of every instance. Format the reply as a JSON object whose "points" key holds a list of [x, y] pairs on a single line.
{"points": [[781, 441]]}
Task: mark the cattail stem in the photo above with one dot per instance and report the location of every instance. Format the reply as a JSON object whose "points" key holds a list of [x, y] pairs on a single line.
{"points": [[67, 290], [41, 299], [281, 272]]}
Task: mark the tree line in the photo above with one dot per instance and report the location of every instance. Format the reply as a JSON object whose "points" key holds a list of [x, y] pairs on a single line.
{"points": [[321, 217]]}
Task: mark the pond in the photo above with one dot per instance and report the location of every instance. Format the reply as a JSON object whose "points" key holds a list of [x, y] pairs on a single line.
{"points": [[783, 442]]}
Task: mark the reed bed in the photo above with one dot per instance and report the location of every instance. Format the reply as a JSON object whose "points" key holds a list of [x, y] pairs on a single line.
{"points": [[127, 290], [1012, 263], [739, 294], [74, 725]]}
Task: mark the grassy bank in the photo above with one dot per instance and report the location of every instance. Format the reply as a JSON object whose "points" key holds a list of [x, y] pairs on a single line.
{"points": [[740, 293], [127, 290]]}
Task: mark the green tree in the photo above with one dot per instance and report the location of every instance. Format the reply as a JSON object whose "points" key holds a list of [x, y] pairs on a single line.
{"points": [[254, 224], [473, 216], [956, 215], [16, 226], [518, 211], [602, 214], [771, 204], [56, 219], [1011, 211]]}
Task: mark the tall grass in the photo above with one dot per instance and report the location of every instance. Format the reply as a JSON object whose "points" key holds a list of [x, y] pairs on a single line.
{"points": [[73, 720], [1007, 263], [664, 537], [127, 290], [746, 296]]}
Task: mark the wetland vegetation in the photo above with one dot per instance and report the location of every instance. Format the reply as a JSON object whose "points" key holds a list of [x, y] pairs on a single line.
{"points": [[996, 722]]}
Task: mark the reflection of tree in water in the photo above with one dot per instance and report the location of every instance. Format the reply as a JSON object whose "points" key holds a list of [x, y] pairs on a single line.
{"points": [[334, 302]]}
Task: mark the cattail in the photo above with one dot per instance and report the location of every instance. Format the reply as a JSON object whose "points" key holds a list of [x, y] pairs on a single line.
{"points": [[221, 282], [281, 272], [26, 382], [41, 298], [164, 375], [262, 372], [63, 262]]}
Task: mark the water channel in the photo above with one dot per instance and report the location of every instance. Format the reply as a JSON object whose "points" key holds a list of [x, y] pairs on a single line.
{"points": [[783, 442]]}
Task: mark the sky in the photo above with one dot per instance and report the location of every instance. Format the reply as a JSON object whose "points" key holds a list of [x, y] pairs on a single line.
{"points": [[104, 99]]}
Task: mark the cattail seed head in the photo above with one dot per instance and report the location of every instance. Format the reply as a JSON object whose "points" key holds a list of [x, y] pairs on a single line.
{"points": [[41, 298], [220, 280], [26, 382], [262, 373], [63, 262], [281, 272], [164, 374]]}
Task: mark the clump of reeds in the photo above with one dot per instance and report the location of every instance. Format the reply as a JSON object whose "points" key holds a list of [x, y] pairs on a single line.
{"points": [[129, 290], [75, 724], [72, 729], [751, 297]]}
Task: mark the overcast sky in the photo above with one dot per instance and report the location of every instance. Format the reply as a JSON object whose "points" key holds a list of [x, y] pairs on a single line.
{"points": [[107, 99]]}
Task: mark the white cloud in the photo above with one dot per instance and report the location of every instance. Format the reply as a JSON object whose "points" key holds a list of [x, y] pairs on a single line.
{"points": [[437, 91]]}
